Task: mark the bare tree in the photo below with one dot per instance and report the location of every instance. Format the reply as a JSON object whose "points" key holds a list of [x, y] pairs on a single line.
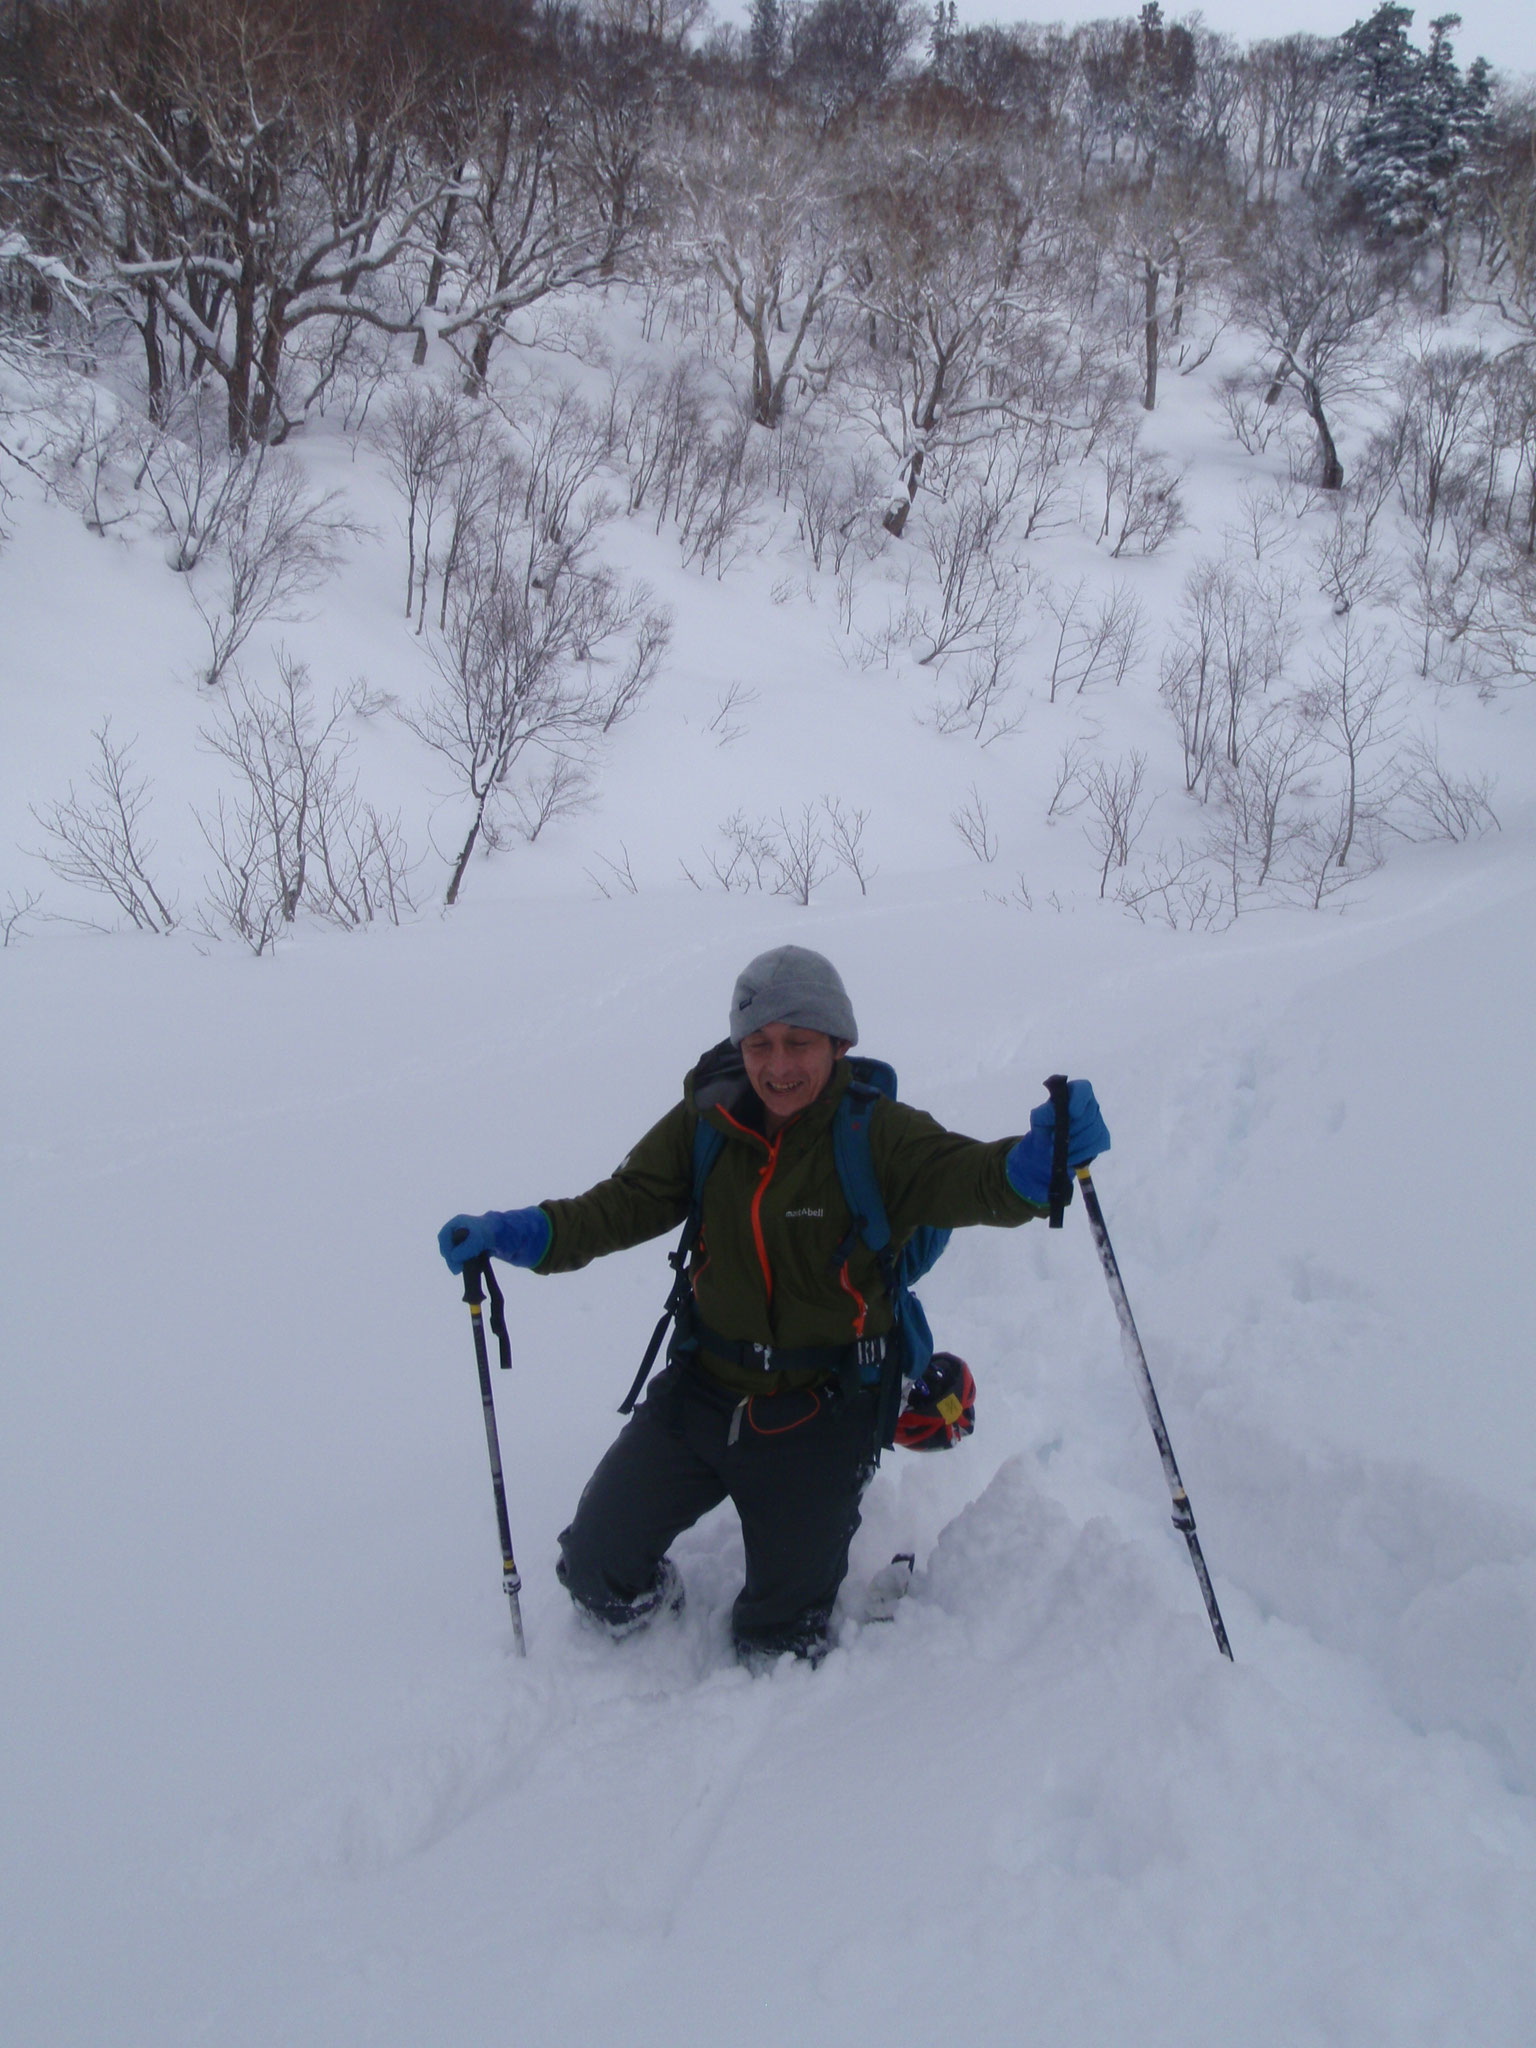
{"points": [[1348, 566], [1352, 707], [1436, 425], [1228, 649], [977, 700], [1161, 231], [1071, 776], [1096, 642], [278, 543], [1297, 100], [845, 829], [757, 193], [1143, 504], [97, 840], [197, 483], [1176, 888], [1435, 803], [954, 286], [800, 854], [14, 913], [736, 697], [1262, 813], [974, 824], [1119, 812], [748, 859], [791, 854], [1250, 414], [542, 650], [521, 232], [92, 444], [247, 173], [1316, 870], [419, 436], [981, 587], [559, 790], [1319, 292], [296, 835]]}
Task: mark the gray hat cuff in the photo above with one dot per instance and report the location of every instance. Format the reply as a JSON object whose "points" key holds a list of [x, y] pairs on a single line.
{"points": [[792, 986]]}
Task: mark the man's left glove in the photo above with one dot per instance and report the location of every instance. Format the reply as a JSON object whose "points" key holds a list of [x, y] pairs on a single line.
{"points": [[520, 1236], [1029, 1163]]}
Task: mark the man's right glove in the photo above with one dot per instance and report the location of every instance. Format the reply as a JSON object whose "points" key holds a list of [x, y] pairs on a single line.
{"points": [[1029, 1163], [520, 1236]]}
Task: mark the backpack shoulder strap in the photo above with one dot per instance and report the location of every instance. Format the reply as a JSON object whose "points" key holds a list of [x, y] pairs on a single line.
{"points": [[855, 1166], [708, 1143]]}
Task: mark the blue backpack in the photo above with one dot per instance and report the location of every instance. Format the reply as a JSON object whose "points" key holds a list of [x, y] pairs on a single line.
{"points": [[907, 1352]]}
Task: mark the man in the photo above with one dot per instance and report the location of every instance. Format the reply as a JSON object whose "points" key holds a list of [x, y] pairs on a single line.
{"points": [[767, 1398]]}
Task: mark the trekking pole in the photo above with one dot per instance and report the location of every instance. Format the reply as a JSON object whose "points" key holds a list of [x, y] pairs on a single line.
{"points": [[478, 1281], [1136, 1359]]}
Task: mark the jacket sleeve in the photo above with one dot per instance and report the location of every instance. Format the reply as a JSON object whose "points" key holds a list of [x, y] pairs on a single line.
{"points": [[932, 1176], [648, 1194]]}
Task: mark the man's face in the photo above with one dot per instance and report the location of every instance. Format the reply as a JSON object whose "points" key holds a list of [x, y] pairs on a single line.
{"points": [[788, 1067]]}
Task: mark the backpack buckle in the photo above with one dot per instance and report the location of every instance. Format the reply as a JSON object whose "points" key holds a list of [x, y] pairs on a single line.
{"points": [[869, 1354]]}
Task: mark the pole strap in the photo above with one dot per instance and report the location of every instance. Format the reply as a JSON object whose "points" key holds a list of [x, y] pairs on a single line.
{"points": [[478, 1276], [1059, 1191]]}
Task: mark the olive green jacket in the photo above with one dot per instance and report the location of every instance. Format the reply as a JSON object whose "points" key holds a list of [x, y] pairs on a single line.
{"points": [[765, 1266]]}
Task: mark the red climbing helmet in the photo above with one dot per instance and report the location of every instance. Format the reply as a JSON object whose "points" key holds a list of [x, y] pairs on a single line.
{"points": [[941, 1406]]}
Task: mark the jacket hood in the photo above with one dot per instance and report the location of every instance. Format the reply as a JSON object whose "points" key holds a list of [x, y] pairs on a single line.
{"points": [[719, 1081]]}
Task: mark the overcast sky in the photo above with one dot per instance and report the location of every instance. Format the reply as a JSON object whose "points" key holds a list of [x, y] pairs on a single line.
{"points": [[1503, 31]]}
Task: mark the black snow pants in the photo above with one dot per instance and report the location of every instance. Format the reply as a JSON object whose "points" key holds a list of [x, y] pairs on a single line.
{"points": [[794, 1465]]}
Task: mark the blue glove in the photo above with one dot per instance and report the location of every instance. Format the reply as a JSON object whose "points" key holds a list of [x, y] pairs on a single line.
{"points": [[1029, 1163], [520, 1236]]}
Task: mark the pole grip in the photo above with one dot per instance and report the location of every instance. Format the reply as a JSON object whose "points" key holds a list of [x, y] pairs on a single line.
{"points": [[474, 1274], [1059, 1193]]}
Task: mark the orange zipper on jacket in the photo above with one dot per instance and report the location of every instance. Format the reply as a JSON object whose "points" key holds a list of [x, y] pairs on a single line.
{"points": [[860, 1305], [764, 1177]]}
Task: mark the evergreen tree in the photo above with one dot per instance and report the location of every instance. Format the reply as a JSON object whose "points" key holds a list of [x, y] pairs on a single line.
{"points": [[1422, 130], [1419, 126], [765, 37], [942, 31]]}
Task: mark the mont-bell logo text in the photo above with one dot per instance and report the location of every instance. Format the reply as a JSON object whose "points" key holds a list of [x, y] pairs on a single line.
{"points": [[789, 1214]]}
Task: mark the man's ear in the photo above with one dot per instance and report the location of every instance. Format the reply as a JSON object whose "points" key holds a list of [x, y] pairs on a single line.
{"points": [[840, 1046]]}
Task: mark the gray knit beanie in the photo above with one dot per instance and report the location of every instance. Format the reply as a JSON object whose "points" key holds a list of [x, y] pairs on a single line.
{"points": [[791, 985]]}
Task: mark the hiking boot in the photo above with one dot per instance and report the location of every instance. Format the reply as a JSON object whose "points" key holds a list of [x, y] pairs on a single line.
{"points": [[809, 1640], [626, 1618]]}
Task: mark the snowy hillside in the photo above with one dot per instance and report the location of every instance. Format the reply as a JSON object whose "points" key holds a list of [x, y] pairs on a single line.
{"points": [[271, 1774]]}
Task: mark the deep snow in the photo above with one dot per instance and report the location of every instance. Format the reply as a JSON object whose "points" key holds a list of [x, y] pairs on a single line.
{"points": [[270, 1772]]}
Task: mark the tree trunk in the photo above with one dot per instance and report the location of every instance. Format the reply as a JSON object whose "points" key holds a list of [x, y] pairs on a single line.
{"points": [[617, 221], [1152, 278], [764, 412], [1332, 477], [439, 264], [455, 880], [154, 354], [269, 364], [237, 378], [897, 515]]}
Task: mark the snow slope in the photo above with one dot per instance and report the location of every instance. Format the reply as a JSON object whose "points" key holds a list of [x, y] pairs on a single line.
{"points": [[273, 1775], [270, 1773]]}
